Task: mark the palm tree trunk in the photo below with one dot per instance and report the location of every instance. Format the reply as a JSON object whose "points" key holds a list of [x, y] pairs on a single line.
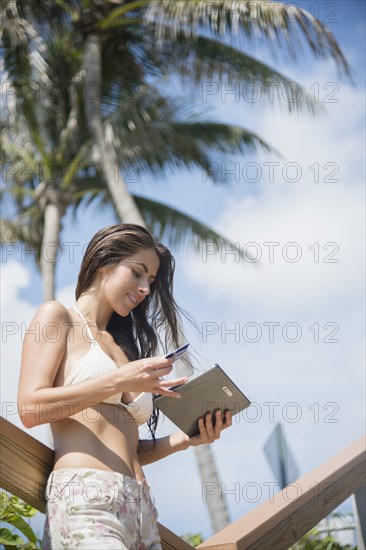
{"points": [[211, 487], [123, 201], [50, 248]]}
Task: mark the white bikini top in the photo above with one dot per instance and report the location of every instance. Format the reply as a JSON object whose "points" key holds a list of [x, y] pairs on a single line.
{"points": [[96, 362]]}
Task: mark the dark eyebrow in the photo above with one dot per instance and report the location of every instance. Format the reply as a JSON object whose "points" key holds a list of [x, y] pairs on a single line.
{"points": [[145, 268]]}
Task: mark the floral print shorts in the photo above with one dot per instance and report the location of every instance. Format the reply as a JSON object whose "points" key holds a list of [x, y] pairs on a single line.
{"points": [[97, 509]]}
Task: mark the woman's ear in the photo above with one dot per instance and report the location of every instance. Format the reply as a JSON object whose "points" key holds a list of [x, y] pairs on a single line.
{"points": [[101, 272], [105, 270]]}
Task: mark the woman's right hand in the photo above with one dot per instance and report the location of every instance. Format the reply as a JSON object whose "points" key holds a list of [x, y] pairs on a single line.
{"points": [[146, 375]]}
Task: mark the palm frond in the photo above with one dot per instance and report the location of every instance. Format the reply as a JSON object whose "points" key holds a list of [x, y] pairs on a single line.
{"points": [[265, 20], [156, 133], [122, 15], [225, 138], [9, 231], [29, 233], [180, 230], [207, 62], [203, 62], [86, 190]]}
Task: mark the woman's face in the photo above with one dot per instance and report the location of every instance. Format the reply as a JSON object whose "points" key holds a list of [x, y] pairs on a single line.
{"points": [[125, 285]]}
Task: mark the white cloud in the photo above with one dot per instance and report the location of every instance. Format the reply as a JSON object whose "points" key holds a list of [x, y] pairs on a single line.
{"points": [[316, 251], [10, 272], [324, 381], [16, 314], [312, 197]]}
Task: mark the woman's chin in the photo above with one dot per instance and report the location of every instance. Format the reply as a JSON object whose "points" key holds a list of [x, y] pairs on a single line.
{"points": [[123, 312]]}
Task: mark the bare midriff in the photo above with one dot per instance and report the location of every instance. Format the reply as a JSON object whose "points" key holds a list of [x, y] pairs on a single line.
{"points": [[103, 436]]}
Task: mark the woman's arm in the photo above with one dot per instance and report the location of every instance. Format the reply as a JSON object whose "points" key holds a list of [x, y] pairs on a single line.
{"points": [[44, 347], [43, 350], [165, 446], [179, 441]]}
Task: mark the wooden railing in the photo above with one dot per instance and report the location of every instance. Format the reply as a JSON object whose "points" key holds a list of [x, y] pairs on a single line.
{"points": [[279, 523], [25, 464]]}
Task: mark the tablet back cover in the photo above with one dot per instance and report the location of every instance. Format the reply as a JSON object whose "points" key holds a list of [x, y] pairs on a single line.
{"points": [[208, 391]]}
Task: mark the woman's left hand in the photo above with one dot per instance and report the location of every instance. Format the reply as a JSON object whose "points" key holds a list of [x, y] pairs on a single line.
{"points": [[208, 432]]}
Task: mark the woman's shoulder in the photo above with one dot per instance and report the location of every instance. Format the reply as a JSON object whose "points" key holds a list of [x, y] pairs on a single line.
{"points": [[52, 321], [52, 310]]}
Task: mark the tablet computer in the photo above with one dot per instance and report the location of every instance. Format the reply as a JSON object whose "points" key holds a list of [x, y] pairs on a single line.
{"points": [[202, 393]]}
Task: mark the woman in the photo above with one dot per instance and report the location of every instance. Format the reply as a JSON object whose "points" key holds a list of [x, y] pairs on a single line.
{"points": [[90, 371]]}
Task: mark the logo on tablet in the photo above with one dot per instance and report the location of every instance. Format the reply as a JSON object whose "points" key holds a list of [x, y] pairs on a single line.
{"points": [[227, 391]]}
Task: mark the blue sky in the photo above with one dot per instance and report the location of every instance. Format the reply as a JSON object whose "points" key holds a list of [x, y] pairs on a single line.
{"points": [[310, 370]]}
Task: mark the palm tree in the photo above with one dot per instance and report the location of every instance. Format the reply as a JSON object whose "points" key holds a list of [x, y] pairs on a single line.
{"points": [[47, 147], [118, 45], [40, 148]]}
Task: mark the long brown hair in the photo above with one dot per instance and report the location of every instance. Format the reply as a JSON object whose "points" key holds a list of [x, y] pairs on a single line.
{"points": [[156, 320]]}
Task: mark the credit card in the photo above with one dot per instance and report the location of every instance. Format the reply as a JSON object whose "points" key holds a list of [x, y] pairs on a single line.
{"points": [[177, 352]]}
